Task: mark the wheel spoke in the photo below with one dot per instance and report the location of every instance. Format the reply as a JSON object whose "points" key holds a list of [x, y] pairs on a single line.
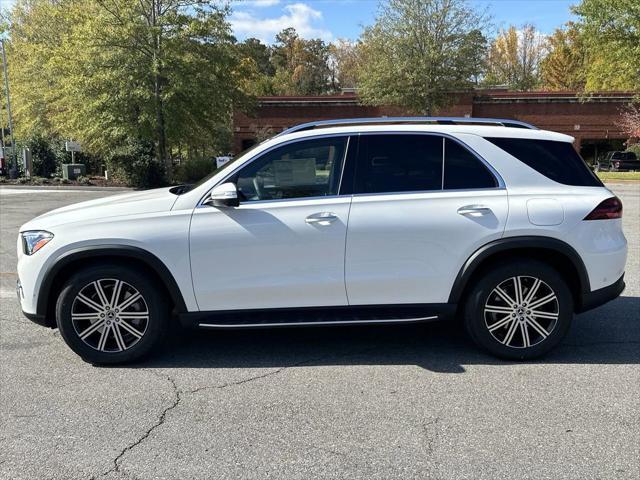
{"points": [[133, 331], [537, 327], [89, 330], [116, 293], [542, 301], [524, 331], [118, 336], [518, 289], [501, 323], [87, 301], [547, 315], [85, 316], [129, 301], [533, 291], [103, 337], [101, 295], [512, 330], [504, 296], [134, 315], [497, 309]]}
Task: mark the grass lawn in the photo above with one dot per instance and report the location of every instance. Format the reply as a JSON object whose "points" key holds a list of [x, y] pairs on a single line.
{"points": [[612, 176]]}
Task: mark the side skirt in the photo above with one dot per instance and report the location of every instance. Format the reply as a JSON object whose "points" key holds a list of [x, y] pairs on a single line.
{"points": [[319, 316]]}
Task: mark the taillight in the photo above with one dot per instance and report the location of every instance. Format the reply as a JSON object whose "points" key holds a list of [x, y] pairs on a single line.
{"points": [[608, 209]]}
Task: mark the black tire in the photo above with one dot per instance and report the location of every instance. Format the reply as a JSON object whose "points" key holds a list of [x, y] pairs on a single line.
{"points": [[153, 326], [479, 316]]}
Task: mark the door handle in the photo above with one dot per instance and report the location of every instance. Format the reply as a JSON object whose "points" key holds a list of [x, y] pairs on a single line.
{"points": [[474, 210], [321, 218]]}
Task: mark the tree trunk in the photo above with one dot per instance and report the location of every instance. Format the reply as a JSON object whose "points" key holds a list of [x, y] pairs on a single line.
{"points": [[161, 137]]}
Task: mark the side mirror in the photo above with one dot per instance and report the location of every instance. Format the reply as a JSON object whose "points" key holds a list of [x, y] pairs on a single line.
{"points": [[225, 195]]}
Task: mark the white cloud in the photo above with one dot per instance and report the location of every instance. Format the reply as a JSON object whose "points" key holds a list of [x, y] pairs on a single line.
{"points": [[263, 3], [297, 15]]}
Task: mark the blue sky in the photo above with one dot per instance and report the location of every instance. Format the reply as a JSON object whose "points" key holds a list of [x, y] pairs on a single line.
{"points": [[331, 19]]}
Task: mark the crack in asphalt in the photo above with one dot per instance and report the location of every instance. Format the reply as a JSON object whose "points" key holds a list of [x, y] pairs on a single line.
{"points": [[117, 462], [161, 419]]}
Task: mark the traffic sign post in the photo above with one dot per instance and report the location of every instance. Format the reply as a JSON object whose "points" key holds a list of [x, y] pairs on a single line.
{"points": [[72, 147]]}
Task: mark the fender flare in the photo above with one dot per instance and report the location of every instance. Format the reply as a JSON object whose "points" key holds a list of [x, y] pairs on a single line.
{"points": [[514, 244], [98, 251]]}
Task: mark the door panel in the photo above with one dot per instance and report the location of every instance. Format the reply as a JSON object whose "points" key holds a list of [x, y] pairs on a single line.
{"points": [[270, 254], [409, 247], [284, 245]]}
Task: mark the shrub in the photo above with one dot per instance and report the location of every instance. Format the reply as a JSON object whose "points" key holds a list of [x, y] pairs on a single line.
{"points": [[45, 162], [83, 180], [134, 164], [190, 171], [635, 148]]}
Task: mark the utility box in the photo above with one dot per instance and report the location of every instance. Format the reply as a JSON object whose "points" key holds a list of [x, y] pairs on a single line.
{"points": [[71, 171]]}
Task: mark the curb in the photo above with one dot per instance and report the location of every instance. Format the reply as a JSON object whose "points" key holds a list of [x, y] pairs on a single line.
{"points": [[79, 188]]}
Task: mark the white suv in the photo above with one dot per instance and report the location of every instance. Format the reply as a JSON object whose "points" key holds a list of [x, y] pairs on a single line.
{"points": [[344, 222]]}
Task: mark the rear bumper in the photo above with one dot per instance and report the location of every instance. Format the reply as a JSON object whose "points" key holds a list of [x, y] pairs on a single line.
{"points": [[601, 296]]}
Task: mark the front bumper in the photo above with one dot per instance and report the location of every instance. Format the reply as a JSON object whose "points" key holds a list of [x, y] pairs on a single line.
{"points": [[34, 317], [601, 296]]}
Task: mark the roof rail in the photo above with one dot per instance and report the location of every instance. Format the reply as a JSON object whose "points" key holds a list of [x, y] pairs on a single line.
{"points": [[409, 120]]}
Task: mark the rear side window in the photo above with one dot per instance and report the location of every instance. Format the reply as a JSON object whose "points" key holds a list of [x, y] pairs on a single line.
{"points": [[463, 170], [557, 161], [399, 163]]}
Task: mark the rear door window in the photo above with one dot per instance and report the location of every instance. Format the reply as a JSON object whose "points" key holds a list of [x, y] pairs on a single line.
{"points": [[557, 161], [389, 163], [463, 170]]}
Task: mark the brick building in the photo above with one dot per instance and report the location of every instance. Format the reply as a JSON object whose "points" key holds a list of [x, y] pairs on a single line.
{"points": [[592, 121]]}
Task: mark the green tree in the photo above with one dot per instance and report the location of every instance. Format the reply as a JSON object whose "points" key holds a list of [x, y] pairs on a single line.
{"points": [[418, 51], [565, 66], [514, 58], [116, 71], [612, 38], [302, 66]]}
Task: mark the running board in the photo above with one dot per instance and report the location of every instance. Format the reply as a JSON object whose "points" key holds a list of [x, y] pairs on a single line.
{"points": [[318, 316]]}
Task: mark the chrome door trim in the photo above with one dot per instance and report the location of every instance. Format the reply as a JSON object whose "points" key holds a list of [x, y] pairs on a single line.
{"points": [[330, 322]]}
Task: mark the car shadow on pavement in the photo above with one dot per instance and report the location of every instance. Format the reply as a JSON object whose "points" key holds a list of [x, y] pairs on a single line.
{"points": [[607, 335]]}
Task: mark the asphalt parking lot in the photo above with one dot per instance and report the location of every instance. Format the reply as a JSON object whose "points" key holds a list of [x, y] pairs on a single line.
{"points": [[370, 403]]}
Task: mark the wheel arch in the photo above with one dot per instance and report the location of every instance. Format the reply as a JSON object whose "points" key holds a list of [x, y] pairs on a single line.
{"points": [[68, 263], [557, 253]]}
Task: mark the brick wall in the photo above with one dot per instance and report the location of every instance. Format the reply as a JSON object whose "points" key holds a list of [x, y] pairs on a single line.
{"points": [[591, 120]]}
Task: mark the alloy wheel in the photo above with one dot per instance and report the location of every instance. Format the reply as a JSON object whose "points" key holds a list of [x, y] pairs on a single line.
{"points": [[109, 315], [521, 312]]}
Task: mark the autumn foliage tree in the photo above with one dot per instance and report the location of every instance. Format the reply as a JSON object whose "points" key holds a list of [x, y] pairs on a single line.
{"points": [[514, 58], [565, 66]]}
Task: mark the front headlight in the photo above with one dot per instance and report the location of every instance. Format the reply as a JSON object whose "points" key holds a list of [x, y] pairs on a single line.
{"points": [[34, 240]]}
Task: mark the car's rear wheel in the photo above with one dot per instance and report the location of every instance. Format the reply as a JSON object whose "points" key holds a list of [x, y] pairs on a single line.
{"points": [[520, 310], [111, 314]]}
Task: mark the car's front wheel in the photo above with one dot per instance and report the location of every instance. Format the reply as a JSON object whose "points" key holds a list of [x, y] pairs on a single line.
{"points": [[111, 314], [519, 310]]}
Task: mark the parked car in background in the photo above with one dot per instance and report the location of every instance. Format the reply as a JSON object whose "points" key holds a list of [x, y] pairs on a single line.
{"points": [[618, 162], [350, 222]]}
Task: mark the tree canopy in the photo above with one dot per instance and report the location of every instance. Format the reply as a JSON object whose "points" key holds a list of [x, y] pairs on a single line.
{"points": [[419, 51]]}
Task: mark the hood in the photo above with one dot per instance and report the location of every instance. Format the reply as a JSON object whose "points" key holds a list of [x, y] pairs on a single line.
{"points": [[135, 203]]}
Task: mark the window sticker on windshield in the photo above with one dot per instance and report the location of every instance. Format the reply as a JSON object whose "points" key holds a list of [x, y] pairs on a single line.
{"points": [[298, 171]]}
